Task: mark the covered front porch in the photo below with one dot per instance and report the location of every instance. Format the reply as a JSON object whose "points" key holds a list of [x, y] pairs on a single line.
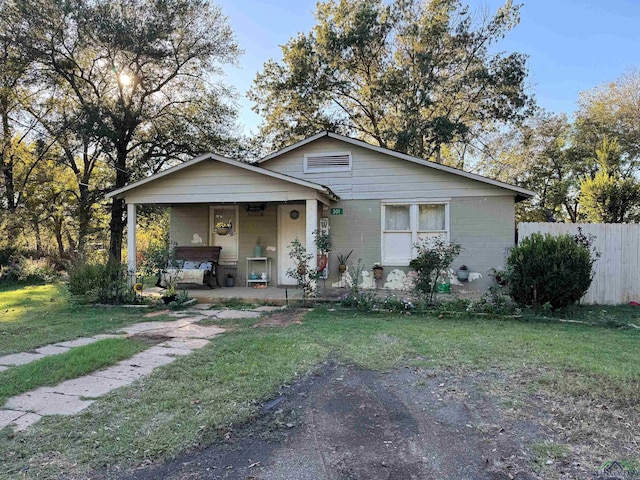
{"points": [[263, 209]]}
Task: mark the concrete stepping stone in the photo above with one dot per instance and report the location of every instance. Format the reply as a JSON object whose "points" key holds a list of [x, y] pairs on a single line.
{"points": [[104, 336], [25, 421], [196, 331], [45, 402], [202, 306], [127, 373], [7, 417], [209, 313], [78, 342], [186, 343], [52, 350], [88, 386], [20, 358], [237, 314], [167, 350]]}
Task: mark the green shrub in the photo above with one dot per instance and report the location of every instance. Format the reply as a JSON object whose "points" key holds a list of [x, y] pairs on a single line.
{"points": [[101, 283], [18, 268], [550, 269], [435, 256]]}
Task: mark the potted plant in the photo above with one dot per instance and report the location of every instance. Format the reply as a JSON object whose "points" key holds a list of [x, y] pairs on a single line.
{"points": [[463, 273], [229, 280], [169, 294], [378, 271], [342, 261], [222, 228]]}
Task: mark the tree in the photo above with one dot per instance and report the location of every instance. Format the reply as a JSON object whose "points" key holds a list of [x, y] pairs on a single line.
{"points": [[412, 76], [609, 197], [539, 154], [139, 76]]}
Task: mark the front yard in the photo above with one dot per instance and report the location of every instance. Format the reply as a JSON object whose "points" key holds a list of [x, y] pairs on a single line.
{"points": [[580, 384]]}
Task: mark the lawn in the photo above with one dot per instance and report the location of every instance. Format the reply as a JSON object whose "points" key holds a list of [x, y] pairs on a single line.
{"points": [[199, 397], [37, 315], [74, 363]]}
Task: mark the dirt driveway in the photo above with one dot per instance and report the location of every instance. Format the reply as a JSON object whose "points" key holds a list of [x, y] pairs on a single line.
{"points": [[346, 423]]}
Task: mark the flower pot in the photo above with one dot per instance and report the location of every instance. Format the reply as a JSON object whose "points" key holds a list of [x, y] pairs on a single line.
{"points": [[229, 282], [463, 275], [169, 299], [342, 268], [302, 270], [378, 273], [222, 231]]}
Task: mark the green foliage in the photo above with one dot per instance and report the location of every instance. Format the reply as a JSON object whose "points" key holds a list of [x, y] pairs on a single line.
{"points": [[549, 269], [408, 75], [301, 271], [17, 267], [342, 258], [323, 241], [434, 257], [610, 197], [101, 283]]}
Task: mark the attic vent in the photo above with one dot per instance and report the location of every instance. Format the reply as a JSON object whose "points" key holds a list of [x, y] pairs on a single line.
{"points": [[327, 162]]}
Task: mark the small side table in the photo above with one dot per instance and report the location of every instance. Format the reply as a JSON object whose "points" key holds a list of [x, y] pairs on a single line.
{"points": [[256, 264]]}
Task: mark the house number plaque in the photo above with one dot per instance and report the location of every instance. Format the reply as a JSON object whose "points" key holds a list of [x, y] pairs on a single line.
{"points": [[336, 211]]}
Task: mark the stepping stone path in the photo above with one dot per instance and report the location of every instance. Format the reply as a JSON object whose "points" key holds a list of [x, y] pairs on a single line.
{"points": [[72, 396]]}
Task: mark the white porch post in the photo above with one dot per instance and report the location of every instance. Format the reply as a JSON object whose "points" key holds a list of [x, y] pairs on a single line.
{"points": [[131, 242], [312, 225]]}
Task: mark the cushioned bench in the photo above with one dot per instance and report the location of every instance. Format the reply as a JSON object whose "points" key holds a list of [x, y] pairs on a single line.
{"points": [[198, 256]]}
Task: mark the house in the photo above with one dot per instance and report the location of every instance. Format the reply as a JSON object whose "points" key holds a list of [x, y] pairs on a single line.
{"points": [[374, 201]]}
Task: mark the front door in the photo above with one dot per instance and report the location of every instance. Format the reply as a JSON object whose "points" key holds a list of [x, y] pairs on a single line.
{"points": [[291, 225]]}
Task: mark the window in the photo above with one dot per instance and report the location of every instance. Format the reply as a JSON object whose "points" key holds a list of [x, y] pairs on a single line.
{"points": [[229, 242], [404, 225], [327, 162]]}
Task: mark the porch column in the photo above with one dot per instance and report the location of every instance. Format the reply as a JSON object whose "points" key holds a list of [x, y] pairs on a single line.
{"points": [[131, 242], [312, 225]]}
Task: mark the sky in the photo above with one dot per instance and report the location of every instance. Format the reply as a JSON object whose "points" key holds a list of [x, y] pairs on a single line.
{"points": [[573, 45]]}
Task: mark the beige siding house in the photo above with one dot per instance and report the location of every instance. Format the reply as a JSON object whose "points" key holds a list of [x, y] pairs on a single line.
{"points": [[374, 201]]}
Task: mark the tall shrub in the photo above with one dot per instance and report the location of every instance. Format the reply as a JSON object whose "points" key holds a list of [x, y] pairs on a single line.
{"points": [[101, 283], [550, 269], [435, 256]]}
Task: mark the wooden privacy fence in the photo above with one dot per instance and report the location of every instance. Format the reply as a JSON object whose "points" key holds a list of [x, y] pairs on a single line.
{"points": [[617, 271]]}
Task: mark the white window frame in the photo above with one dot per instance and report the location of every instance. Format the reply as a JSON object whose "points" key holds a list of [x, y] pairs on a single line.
{"points": [[414, 224], [345, 168], [236, 230]]}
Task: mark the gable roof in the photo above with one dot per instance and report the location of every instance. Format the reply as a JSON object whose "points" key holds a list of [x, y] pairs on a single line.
{"points": [[229, 161], [521, 193]]}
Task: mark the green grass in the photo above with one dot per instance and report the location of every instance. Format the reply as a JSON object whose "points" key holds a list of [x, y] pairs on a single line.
{"points": [[189, 402], [37, 315], [78, 361]]}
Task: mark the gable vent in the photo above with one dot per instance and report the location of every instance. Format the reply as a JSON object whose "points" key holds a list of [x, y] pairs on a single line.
{"points": [[327, 162]]}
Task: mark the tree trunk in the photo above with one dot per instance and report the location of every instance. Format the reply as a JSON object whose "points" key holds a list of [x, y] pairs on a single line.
{"points": [[118, 220], [84, 217]]}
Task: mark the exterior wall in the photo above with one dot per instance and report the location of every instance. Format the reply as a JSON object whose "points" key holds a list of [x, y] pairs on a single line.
{"points": [[211, 180], [187, 220], [378, 176], [483, 225], [252, 228]]}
